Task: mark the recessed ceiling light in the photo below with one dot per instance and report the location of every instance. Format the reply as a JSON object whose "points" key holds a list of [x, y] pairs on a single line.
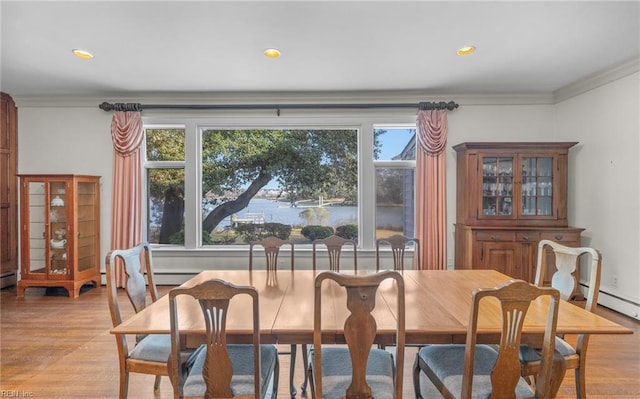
{"points": [[272, 53], [85, 55], [466, 50]]}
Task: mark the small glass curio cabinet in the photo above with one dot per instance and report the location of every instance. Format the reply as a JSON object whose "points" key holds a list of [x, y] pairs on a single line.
{"points": [[60, 232]]}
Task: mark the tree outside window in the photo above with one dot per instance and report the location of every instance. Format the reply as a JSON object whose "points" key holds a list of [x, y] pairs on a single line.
{"points": [[277, 181]]}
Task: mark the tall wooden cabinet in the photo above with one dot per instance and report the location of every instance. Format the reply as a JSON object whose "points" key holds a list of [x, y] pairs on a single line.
{"points": [[8, 192], [509, 197], [59, 232]]}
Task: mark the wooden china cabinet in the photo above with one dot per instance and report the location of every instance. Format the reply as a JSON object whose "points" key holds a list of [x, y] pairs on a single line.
{"points": [[509, 197], [59, 232]]}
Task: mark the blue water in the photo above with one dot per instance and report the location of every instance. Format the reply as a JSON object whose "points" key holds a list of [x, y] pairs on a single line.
{"points": [[281, 212]]}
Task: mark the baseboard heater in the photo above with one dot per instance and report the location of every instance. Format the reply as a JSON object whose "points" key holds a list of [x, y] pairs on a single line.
{"points": [[614, 302], [8, 279]]}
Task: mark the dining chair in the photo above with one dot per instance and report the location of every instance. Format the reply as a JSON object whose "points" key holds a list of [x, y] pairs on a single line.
{"points": [[150, 353], [334, 244], [218, 369], [272, 246], [358, 370], [566, 259], [468, 370], [399, 244]]}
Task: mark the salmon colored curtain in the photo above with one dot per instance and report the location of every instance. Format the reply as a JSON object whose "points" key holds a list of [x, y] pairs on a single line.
{"points": [[431, 199], [126, 198]]}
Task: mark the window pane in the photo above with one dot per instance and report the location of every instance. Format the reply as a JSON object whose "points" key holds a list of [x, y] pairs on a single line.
{"points": [[394, 143], [394, 202], [166, 206], [165, 144], [276, 182]]}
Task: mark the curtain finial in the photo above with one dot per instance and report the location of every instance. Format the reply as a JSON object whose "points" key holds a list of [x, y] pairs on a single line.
{"points": [[425, 106], [105, 106]]}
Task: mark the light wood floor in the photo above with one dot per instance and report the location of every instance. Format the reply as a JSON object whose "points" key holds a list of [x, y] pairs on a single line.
{"points": [[56, 347]]}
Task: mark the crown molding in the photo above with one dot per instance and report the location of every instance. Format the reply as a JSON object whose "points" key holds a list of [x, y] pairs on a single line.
{"points": [[401, 96], [336, 97], [597, 79]]}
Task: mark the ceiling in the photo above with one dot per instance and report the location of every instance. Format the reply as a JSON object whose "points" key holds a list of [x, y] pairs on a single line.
{"points": [[217, 46]]}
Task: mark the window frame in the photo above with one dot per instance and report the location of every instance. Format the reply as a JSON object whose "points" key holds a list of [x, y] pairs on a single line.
{"points": [[402, 164], [146, 165], [193, 126]]}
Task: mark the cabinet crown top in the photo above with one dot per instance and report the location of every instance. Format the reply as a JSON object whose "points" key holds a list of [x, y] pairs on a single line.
{"points": [[529, 145]]}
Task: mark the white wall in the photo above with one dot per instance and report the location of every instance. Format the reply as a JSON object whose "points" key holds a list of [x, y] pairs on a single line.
{"points": [[604, 172], [604, 182]]}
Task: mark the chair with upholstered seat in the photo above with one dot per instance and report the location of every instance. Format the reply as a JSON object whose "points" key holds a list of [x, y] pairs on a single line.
{"points": [[398, 244], [465, 371], [272, 246], [566, 259], [220, 370], [358, 370], [151, 352], [334, 245]]}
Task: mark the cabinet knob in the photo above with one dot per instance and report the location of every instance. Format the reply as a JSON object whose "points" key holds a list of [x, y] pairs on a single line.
{"points": [[559, 237], [494, 237], [525, 238]]}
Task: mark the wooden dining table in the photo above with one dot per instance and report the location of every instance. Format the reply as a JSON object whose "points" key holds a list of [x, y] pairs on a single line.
{"points": [[437, 309]]}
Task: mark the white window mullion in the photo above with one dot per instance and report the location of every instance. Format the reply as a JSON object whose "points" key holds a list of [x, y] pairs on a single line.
{"points": [[367, 188], [192, 200]]}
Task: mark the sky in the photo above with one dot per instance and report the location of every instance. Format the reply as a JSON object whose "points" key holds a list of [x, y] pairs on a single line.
{"points": [[394, 141]]}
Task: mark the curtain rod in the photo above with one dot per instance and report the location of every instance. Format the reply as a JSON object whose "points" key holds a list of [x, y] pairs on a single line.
{"points": [[105, 106]]}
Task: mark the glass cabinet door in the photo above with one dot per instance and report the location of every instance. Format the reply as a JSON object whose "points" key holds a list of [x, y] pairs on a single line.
{"points": [[57, 229], [497, 186], [87, 225], [537, 186], [37, 228]]}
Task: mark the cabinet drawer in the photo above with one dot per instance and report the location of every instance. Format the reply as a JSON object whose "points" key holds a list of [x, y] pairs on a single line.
{"points": [[561, 236], [528, 236], [495, 236]]}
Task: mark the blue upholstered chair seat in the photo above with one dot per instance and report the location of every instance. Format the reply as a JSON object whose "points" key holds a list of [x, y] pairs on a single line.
{"points": [[336, 372], [530, 354], [242, 364], [446, 362], [153, 347]]}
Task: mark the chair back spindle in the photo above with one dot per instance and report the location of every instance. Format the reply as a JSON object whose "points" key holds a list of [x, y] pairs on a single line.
{"points": [[334, 245], [398, 244]]}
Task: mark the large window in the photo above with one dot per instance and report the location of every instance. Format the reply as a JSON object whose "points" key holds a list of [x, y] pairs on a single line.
{"points": [[213, 184], [282, 182]]}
